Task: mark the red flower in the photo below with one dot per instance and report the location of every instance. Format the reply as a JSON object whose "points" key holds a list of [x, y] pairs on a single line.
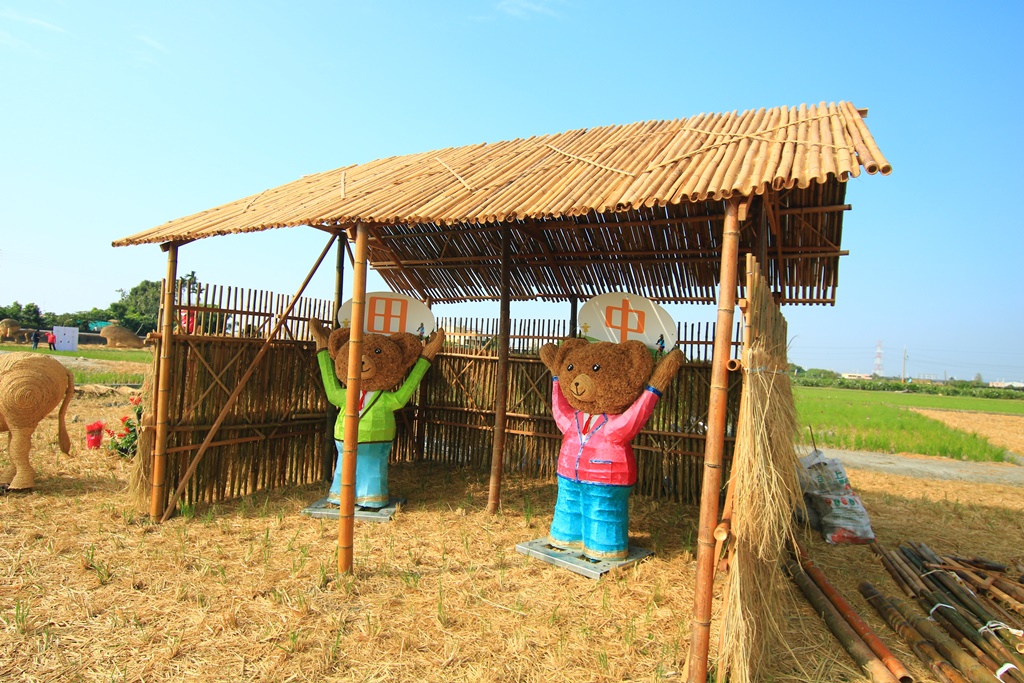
{"points": [[124, 418], [135, 400]]}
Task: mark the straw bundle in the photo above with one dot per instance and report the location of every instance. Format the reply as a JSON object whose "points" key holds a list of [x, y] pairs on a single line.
{"points": [[765, 490]]}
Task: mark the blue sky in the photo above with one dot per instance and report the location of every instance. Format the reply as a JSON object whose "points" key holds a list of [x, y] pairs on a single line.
{"points": [[119, 116]]}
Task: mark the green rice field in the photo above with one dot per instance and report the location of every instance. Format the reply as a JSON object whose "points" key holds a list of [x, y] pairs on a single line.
{"points": [[882, 422]]}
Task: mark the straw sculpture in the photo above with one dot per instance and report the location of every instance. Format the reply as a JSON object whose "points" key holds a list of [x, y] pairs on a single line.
{"points": [[392, 367], [9, 327], [121, 337], [765, 490], [31, 386], [600, 403]]}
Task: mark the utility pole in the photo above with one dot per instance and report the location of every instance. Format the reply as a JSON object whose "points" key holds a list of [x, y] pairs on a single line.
{"points": [[903, 372]]}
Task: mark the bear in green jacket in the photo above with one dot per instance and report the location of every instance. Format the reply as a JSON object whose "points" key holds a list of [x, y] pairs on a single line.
{"points": [[386, 362]]}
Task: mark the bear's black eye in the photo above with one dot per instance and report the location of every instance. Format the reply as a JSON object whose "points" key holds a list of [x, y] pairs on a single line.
{"points": [[596, 367], [376, 350], [569, 367]]}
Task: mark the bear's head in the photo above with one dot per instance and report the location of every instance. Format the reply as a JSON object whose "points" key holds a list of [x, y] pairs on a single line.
{"points": [[599, 377], [386, 358]]}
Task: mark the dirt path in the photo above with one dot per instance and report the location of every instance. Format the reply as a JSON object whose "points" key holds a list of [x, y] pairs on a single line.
{"points": [[931, 467]]}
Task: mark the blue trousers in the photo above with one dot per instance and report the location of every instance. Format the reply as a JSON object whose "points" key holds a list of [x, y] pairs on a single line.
{"points": [[594, 517], [371, 475]]}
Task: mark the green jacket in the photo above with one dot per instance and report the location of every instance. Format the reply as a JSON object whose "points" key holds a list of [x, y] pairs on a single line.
{"points": [[377, 422]]}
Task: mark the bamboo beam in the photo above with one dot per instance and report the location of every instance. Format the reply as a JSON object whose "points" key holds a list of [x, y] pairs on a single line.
{"points": [[241, 385], [582, 258], [353, 384], [714, 447], [501, 381], [157, 494]]}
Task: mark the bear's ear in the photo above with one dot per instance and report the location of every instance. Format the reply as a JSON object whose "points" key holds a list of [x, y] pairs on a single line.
{"points": [[410, 347], [567, 347], [547, 354], [639, 360], [337, 339]]}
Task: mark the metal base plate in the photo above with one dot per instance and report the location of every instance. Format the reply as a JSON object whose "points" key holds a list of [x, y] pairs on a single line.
{"points": [[324, 509], [574, 561]]}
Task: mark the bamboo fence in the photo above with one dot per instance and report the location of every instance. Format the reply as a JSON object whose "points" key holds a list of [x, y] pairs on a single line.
{"points": [[280, 432]]}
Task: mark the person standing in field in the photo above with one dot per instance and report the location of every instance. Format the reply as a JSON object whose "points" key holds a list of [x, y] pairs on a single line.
{"points": [[35, 339], [51, 339]]}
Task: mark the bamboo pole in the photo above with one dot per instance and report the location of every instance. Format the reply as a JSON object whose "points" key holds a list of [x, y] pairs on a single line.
{"points": [[924, 649], [855, 621], [353, 384], [332, 411], [241, 385], [851, 642], [501, 381], [713, 449], [157, 494]]}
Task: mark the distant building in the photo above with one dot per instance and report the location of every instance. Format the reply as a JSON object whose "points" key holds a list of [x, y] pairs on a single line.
{"points": [[1006, 385], [854, 375]]}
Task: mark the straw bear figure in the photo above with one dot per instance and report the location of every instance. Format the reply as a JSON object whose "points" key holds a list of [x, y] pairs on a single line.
{"points": [[31, 385], [602, 395], [392, 367]]}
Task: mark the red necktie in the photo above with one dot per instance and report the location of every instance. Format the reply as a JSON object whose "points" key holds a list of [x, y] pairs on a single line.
{"points": [[586, 425]]}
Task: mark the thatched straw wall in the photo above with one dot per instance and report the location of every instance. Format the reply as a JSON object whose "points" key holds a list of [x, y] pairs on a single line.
{"points": [[764, 487]]}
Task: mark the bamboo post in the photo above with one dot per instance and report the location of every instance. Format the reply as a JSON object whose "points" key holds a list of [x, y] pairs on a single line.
{"points": [[574, 302], [713, 448], [157, 493], [241, 385], [332, 412], [501, 381], [353, 384]]}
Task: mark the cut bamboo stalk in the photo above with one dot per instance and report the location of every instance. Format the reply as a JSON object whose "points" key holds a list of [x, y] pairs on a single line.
{"points": [[847, 637], [501, 380], [946, 645], [703, 594], [924, 649], [347, 502], [159, 470], [855, 621]]}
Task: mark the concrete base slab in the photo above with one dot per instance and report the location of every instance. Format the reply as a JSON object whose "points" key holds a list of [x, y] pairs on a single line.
{"points": [[324, 509], [574, 561]]}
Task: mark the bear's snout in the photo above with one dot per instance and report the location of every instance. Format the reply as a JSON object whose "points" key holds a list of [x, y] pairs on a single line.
{"points": [[368, 369], [583, 388]]}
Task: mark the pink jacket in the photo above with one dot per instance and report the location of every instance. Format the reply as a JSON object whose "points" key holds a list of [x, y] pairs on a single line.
{"points": [[600, 453]]}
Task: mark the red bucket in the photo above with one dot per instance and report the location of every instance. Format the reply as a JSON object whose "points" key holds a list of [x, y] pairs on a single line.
{"points": [[93, 439]]}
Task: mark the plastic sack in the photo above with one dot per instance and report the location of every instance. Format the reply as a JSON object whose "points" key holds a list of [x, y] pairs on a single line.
{"points": [[833, 508]]}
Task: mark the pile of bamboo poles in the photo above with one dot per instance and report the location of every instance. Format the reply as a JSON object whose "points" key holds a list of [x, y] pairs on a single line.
{"points": [[860, 642], [974, 630]]}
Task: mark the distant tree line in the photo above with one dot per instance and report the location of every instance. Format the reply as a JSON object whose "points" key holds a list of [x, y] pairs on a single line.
{"points": [[136, 310], [816, 377]]}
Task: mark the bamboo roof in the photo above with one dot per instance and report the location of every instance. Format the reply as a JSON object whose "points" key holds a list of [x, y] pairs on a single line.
{"points": [[635, 207]]}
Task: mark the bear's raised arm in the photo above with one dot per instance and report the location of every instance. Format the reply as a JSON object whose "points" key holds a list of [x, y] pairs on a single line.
{"points": [[666, 369], [433, 345]]}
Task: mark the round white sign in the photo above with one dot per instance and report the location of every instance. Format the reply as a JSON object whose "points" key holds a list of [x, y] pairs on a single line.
{"points": [[620, 316], [389, 313]]}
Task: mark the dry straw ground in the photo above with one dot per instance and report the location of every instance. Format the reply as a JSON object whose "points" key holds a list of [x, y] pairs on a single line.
{"points": [[92, 591]]}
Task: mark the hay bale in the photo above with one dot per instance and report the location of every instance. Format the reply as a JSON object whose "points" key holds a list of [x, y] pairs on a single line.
{"points": [[121, 337]]}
